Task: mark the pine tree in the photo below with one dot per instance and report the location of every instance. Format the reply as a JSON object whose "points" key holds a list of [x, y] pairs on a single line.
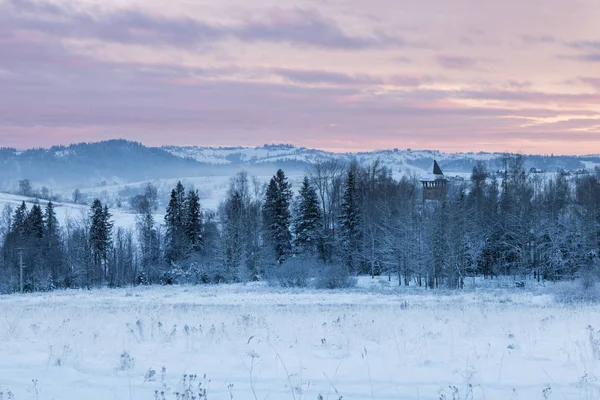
{"points": [[277, 216], [350, 222], [308, 220]]}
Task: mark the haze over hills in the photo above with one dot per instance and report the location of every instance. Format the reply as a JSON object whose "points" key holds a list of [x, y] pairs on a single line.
{"points": [[121, 161], [89, 163], [399, 160]]}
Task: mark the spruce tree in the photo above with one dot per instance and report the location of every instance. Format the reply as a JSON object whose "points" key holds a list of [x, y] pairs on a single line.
{"points": [[30, 244], [34, 223], [108, 225], [50, 221], [277, 216], [350, 222], [52, 241], [307, 221], [193, 221], [175, 220], [100, 238], [18, 223]]}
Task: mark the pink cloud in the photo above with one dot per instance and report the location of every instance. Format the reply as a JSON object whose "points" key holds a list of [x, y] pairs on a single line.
{"points": [[457, 62], [594, 82], [312, 73]]}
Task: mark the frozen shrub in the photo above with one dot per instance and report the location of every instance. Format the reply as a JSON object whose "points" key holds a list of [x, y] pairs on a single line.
{"points": [[546, 392], [576, 292], [201, 272], [4, 288], [589, 278], [293, 273], [9, 395], [335, 276], [173, 276], [126, 362], [150, 375], [142, 279], [594, 338], [191, 387], [193, 273]]}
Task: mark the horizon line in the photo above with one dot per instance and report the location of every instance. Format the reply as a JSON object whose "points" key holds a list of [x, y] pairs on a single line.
{"points": [[326, 149]]}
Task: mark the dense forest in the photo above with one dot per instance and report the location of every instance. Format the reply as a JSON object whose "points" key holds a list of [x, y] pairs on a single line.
{"points": [[343, 221]]}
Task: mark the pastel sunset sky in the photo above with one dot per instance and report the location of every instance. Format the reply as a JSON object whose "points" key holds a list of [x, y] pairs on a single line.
{"points": [[342, 75]]}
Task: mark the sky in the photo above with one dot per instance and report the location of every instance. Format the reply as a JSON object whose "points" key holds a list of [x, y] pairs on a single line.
{"points": [[341, 75]]}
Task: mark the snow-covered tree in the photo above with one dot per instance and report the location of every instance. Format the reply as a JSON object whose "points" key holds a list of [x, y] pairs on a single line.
{"points": [[350, 222], [277, 216], [52, 243], [193, 221], [100, 236], [308, 223], [175, 221]]}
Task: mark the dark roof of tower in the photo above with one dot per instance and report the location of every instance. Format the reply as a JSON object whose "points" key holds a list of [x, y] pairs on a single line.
{"points": [[436, 169]]}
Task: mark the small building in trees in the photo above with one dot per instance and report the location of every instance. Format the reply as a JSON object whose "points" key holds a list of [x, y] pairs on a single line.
{"points": [[434, 183]]}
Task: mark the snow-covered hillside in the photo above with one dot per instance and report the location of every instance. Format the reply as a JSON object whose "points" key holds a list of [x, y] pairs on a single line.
{"points": [[212, 189], [68, 211], [290, 154], [252, 155]]}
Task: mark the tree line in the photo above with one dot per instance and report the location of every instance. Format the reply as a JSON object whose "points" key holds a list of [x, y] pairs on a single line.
{"points": [[343, 220]]}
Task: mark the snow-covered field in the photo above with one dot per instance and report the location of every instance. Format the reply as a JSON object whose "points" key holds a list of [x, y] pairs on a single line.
{"points": [[257, 342]]}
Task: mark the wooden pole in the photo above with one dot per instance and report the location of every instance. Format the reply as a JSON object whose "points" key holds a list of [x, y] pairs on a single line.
{"points": [[21, 266]]}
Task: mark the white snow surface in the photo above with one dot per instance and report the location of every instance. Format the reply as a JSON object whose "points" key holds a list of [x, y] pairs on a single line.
{"points": [[68, 211], [258, 155], [212, 189], [252, 341]]}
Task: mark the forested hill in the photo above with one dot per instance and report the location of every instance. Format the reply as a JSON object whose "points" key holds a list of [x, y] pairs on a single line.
{"points": [[92, 163], [120, 161]]}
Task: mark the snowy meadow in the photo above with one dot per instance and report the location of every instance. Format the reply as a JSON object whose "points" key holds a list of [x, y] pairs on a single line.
{"points": [[376, 341]]}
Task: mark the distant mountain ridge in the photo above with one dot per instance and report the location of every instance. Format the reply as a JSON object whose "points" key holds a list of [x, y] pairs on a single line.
{"points": [[91, 162], [125, 161], [406, 160]]}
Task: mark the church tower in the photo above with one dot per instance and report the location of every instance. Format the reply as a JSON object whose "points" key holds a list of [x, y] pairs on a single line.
{"points": [[434, 183]]}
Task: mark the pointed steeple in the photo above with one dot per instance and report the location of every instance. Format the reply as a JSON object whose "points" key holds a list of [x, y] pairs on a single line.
{"points": [[436, 169], [434, 183], [433, 173]]}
